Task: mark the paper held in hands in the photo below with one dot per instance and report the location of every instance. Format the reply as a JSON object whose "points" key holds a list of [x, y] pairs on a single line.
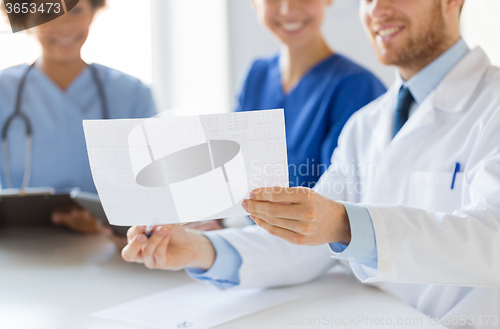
{"points": [[195, 306], [184, 169]]}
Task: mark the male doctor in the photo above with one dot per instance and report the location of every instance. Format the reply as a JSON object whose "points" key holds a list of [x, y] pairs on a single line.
{"points": [[412, 199]]}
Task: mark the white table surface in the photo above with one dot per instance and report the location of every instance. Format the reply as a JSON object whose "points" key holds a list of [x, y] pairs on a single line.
{"points": [[53, 279]]}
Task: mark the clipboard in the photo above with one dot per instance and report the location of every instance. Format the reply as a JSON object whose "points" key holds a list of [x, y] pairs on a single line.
{"points": [[32, 207], [92, 203]]}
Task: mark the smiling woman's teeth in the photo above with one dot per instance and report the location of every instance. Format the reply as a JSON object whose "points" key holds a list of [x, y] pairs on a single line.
{"points": [[388, 32], [291, 27]]}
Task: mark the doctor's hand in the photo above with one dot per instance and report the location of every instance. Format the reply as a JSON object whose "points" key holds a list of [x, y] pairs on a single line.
{"points": [[170, 247], [76, 219], [299, 215]]}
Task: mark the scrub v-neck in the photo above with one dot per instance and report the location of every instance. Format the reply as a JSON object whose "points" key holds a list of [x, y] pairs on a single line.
{"points": [[286, 95], [72, 87], [80, 92]]}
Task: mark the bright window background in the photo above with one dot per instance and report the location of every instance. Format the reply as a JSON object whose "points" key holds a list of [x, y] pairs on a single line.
{"points": [[481, 26], [120, 38], [191, 56]]}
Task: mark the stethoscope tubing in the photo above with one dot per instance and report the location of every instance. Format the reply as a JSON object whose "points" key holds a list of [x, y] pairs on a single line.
{"points": [[29, 132]]}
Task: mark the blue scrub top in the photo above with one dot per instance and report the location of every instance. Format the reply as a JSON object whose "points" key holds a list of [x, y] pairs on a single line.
{"points": [[315, 110], [59, 156]]}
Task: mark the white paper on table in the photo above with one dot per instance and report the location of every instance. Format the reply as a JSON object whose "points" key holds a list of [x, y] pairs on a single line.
{"points": [[167, 170], [195, 306]]}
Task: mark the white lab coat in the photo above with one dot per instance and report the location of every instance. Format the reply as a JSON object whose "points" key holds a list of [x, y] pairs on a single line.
{"points": [[438, 248]]}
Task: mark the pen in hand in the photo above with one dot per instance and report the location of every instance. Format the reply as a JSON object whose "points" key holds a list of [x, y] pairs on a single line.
{"points": [[149, 231]]}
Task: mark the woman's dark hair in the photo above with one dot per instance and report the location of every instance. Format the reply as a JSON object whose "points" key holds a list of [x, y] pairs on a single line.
{"points": [[20, 20]]}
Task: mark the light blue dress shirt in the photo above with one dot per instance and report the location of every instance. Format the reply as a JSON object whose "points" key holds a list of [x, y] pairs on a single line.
{"points": [[59, 155], [224, 272], [363, 247]]}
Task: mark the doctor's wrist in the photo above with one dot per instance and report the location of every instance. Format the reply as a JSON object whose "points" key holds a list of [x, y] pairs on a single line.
{"points": [[344, 229], [204, 251]]}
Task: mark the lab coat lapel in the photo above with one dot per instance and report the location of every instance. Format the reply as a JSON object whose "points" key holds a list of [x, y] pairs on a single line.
{"points": [[455, 92], [381, 119], [423, 116], [453, 95], [397, 159]]}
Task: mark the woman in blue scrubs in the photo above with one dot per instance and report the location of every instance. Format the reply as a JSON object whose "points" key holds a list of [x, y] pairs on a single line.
{"points": [[60, 91], [318, 88]]}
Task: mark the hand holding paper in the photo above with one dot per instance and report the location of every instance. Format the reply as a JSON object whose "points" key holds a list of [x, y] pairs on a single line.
{"points": [[299, 215]]}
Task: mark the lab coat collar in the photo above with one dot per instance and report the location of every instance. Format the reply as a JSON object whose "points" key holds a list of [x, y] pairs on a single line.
{"points": [[451, 95], [380, 117], [454, 92], [424, 82]]}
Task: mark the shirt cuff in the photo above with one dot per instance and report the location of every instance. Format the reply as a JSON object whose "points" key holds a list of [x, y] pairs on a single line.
{"points": [[224, 272], [363, 247]]}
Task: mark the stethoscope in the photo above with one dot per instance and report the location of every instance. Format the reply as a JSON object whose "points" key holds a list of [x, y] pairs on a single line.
{"points": [[29, 132]]}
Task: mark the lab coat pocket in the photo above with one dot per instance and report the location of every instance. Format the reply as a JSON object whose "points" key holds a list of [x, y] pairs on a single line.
{"points": [[431, 190]]}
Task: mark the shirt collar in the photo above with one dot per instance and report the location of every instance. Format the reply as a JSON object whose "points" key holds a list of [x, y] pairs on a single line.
{"points": [[427, 79]]}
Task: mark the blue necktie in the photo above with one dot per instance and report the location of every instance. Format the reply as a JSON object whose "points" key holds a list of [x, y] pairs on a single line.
{"points": [[405, 99]]}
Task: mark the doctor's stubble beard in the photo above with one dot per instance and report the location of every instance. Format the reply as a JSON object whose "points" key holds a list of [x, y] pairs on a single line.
{"points": [[427, 44]]}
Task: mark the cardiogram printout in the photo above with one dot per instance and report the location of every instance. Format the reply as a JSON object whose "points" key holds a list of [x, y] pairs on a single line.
{"points": [[166, 170]]}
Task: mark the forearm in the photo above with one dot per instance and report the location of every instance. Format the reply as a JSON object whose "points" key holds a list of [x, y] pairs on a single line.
{"points": [[204, 252], [224, 272], [269, 261]]}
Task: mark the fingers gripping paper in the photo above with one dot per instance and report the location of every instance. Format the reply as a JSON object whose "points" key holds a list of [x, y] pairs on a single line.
{"points": [[184, 169]]}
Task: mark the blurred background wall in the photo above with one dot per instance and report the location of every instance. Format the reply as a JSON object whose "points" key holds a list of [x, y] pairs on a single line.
{"points": [[120, 38], [198, 50]]}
